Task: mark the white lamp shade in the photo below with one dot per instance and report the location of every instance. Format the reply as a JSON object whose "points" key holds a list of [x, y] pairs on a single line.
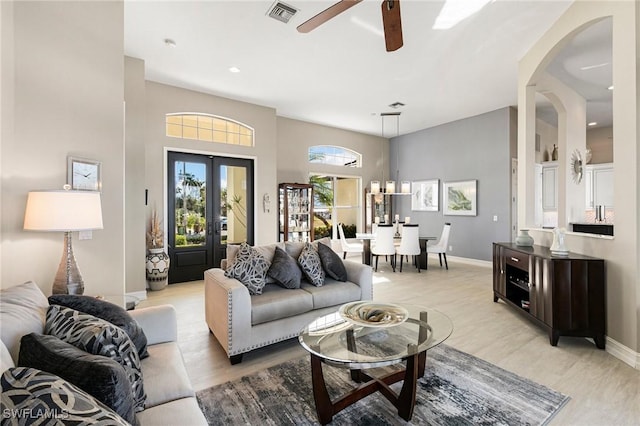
{"points": [[405, 187], [63, 211], [391, 187], [375, 186]]}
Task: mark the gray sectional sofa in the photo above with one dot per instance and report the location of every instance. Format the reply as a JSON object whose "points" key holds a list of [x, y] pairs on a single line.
{"points": [[242, 322], [170, 396]]}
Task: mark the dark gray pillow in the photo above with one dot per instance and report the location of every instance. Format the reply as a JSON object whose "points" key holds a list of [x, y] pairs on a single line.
{"points": [[29, 390], [285, 270], [98, 337], [99, 376], [332, 263], [107, 311], [311, 266]]}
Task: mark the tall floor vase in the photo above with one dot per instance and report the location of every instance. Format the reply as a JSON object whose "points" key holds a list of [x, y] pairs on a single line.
{"points": [[157, 268]]}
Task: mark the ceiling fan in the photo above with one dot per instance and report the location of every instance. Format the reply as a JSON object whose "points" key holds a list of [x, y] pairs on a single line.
{"points": [[390, 19]]}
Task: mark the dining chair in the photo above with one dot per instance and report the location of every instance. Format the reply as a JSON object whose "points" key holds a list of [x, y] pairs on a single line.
{"points": [[441, 246], [409, 244], [348, 247], [384, 245]]}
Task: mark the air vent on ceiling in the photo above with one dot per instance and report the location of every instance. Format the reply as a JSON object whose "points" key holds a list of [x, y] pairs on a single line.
{"points": [[281, 11]]}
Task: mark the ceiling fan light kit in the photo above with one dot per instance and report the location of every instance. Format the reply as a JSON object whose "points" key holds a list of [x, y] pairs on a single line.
{"points": [[390, 19]]}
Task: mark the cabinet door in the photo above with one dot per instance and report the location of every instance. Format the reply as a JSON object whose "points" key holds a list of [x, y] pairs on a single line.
{"points": [[540, 296], [549, 188], [603, 187]]}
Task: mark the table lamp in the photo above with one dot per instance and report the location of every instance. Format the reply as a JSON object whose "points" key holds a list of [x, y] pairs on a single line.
{"points": [[64, 211]]}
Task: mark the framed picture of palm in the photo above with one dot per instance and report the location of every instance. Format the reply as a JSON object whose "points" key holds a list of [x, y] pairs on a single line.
{"points": [[460, 198]]}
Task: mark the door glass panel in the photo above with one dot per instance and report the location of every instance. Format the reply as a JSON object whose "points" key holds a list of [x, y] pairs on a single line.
{"points": [[233, 204], [190, 205], [322, 206]]}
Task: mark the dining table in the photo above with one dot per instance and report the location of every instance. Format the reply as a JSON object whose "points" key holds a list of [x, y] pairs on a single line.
{"points": [[367, 238]]}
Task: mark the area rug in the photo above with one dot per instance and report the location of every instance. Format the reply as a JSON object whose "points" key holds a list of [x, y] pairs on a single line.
{"points": [[457, 389]]}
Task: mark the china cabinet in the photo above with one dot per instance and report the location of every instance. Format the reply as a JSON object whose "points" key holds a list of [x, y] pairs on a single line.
{"points": [[295, 212]]}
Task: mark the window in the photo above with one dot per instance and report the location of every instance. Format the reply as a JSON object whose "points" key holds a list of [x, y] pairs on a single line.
{"points": [[335, 156], [209, 128], [336, 200]]}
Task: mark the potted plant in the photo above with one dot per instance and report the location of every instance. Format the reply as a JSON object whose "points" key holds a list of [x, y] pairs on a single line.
{"points": [[157, 259]]}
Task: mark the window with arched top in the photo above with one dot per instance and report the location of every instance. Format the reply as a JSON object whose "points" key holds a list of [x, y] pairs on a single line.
{"points": [[335, 156], [209, 128]]}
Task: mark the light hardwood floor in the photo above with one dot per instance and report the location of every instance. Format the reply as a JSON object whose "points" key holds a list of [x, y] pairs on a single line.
{"points": [[603, 389]]}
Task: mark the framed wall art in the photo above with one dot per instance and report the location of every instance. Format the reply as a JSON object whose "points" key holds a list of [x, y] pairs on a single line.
{"points": [[460, 198], [424, 195], [84, 174]]}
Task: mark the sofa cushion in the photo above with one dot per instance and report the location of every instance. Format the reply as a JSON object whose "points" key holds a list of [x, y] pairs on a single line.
{"points": [[276, 302], [98, 337], [6, 361], [184, 411], [22, 311], [250, 268], [107, 311], [311, 265], [284, 269], [294, 248], [332, 293], [165, 376], [28, 390], [331, 263], [99, 376], [266, 250]]}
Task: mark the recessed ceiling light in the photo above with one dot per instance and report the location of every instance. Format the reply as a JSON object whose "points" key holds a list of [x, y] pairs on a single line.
{"points": [[610, 87], [593, 123], [234, 69], [169, 42]]}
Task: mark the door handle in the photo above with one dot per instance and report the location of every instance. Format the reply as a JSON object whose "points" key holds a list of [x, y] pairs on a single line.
{"points": [[209, 228], [217, 227]]}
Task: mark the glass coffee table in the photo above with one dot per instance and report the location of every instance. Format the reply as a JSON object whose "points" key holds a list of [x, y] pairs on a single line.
{"points": [[347, 341]]}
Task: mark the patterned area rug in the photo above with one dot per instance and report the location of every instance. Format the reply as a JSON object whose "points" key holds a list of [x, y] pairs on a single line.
{"points": [[457, 389]]}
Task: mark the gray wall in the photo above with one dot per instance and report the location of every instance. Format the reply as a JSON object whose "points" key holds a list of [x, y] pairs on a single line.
{"points": [[473, 148]]}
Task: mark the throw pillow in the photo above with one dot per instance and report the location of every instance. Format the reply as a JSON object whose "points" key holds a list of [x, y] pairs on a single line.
{"points": [[250, 268], [311, 265], [99, 376], [285, 270], [31, 396], [22, 311], [107, 311], [332, 263], [98, 337]]}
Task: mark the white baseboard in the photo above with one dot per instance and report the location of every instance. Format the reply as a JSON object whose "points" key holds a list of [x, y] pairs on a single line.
{"points": [[140, 295], [467, 260], [623, 353]]}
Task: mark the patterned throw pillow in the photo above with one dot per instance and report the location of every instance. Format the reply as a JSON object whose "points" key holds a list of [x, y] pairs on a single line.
{"points": [[250, 268], [285, 270], [31, 396], [99, 376], [98, 337], [311, 265], [107, 311], [332, 263]]}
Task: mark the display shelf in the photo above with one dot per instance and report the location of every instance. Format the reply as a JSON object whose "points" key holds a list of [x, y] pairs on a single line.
{"points": [[295, 212]]}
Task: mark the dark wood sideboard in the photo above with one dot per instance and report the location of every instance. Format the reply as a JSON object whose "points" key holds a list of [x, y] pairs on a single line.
{"points": [[563, 294]]}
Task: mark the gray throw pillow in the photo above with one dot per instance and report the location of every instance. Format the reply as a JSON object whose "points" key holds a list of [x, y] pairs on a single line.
{"points": [[29, 390], [285, 270], [99, 376], [250, 268], [332, 263], [107, 311], [98, 337], [311, 265]]}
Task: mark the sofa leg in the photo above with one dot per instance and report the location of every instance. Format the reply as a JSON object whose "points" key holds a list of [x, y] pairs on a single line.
{"points": [[235, 359]]}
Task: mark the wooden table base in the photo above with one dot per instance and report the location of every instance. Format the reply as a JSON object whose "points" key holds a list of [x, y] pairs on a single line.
{"points": [[404, 402]]}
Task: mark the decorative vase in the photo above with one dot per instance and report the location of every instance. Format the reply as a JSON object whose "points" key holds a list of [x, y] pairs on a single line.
{"points": [[157, 268], [554, 153], [524, 239], [558, 247]]}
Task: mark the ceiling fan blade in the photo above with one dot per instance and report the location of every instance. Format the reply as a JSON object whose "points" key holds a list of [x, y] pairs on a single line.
{"points": [[326, 14], [392, 24]]}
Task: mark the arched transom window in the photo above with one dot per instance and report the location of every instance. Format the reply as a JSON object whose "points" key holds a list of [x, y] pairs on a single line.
{"points": [[210, 128], [334, 155]]}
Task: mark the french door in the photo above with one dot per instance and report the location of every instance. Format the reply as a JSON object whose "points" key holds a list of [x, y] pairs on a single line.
{"points": [[210, 205]]}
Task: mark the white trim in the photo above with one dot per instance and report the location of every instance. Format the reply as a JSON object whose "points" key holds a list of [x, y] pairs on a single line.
{"points": [[476, 262], [140, 295], [623, 353]]}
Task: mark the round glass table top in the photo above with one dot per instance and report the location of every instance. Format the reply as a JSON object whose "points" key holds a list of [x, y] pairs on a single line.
{"points": [[347, 344]]}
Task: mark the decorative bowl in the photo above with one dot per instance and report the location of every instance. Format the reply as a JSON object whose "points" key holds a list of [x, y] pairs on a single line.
{"points": [[371, 314]]}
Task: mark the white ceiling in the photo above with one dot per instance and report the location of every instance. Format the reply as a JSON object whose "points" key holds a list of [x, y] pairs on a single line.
{"points": [[340, 74]]}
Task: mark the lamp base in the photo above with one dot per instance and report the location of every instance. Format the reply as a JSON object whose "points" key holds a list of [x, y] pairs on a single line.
{"points": [[68, 279]]}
